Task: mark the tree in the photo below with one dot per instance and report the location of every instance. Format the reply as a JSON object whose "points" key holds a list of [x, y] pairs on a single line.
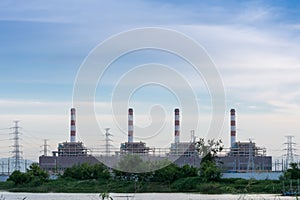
{"points": [[19, 178], [167, 174], [209, 170], [35, 172], [86, 171], [188, 171], [34, 175], [293, 172]]}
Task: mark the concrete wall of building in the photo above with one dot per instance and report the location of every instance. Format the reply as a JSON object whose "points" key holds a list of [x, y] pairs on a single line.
{"points": [[60, 163], [254, 175], [240, 163]]}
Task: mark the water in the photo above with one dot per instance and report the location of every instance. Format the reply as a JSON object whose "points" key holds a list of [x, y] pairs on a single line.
{"points": [[144, 196]]}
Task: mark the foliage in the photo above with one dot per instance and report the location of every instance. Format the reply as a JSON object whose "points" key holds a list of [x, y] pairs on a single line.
{"points": [[209, 171], [209, 151], [172, 172], [87, 172], [293, 172], [19, 178], [37, 174], [187, 184], [34, 175], [167, 174], [130, 168]]}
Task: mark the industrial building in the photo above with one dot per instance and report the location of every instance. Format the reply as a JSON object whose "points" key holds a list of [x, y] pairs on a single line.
{"points": [[68, 153], [239, 157], [244, 156]]}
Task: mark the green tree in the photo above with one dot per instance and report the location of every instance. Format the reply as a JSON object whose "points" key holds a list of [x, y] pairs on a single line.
{"points": [[167, 174], [19, 178], [188, 171], [34, 175], [209, 170], [35, 172], [86, 171], [293, 172]]}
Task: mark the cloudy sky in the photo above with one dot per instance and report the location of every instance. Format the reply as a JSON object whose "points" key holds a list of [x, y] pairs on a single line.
{"points": [[255, 46]]}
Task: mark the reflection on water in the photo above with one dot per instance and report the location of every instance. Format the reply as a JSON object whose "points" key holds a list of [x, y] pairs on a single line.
{"points": [[144, 196]]}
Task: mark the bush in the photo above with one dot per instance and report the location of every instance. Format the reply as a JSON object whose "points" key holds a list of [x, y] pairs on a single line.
{"points": [[186, 184], [87, 172], [35, 175], [19, 178]]}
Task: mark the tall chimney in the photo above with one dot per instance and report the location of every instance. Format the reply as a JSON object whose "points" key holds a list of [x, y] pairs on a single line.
{"points": [[130, 125], [73, 125], [177, 126], [232, 128]]}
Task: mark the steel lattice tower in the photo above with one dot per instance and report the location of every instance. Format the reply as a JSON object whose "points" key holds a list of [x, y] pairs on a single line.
{"points": [[289, 156], [17, 157]]}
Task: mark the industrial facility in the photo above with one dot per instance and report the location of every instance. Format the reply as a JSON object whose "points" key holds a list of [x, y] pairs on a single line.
{"points": [[244, 156], [239, 157]]}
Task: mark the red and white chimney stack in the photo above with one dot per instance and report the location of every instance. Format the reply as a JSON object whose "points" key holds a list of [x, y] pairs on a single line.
{"points": [[232, 128], [130, 125], [73, 125], [177, 126]]}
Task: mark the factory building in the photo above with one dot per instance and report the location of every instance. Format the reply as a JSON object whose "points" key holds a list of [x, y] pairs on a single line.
{"points": [[244, 156], [68, 153], [239, 157], [132, 147]]}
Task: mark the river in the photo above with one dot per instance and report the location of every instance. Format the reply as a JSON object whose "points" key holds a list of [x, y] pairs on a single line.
{"points": [[143, 196]]}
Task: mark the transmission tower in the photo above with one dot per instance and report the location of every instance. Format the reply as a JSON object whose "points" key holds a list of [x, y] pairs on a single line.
{"points": [[289, 156], [17, 157], [107, 141]]}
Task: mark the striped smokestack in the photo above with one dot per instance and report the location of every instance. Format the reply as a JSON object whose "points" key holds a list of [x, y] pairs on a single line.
{"points": [[73, 125], [232, 128], [177, 126], [130, 125]]}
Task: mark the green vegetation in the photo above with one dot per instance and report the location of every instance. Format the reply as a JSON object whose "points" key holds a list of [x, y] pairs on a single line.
{"points": [[34, 176], [99, 179], [209, 171], [292, 173]]}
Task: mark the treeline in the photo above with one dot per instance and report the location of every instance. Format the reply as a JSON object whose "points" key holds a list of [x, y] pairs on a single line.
{"points": [[98, 178], [100, 172]]}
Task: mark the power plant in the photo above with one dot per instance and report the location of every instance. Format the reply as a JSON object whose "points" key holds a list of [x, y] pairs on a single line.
{"points": [[239, 157], [244, 156]]}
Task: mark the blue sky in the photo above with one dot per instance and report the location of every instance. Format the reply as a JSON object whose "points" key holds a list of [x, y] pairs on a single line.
{"points": [[254, 45]]}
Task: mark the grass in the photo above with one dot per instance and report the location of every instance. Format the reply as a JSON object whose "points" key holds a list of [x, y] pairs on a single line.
{"points": [[190, 184]]}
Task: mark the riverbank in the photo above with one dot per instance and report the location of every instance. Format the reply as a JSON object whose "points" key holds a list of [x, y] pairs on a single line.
{"points": [[190, 184]]}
